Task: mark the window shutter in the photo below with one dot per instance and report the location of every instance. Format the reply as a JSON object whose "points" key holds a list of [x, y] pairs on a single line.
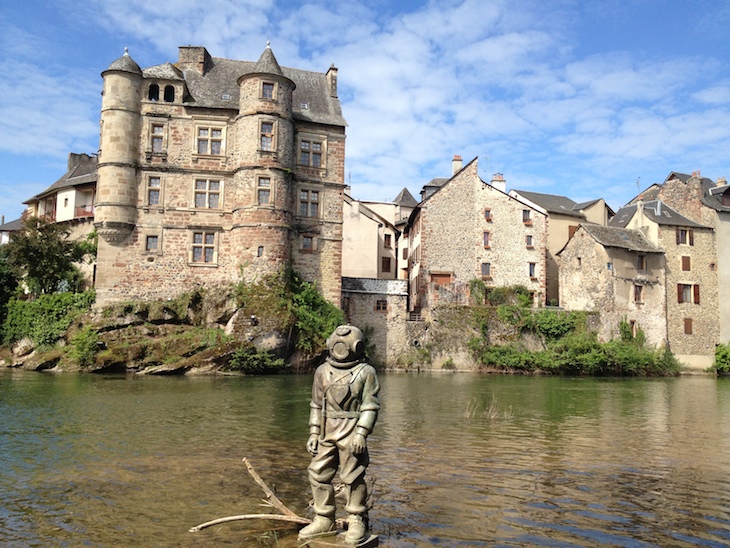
{"points": [[691, 237], [679, 293], [676, 232], [697, 294]]}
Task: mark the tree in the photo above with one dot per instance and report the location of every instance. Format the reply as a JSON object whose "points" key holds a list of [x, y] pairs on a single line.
{"points": [[42, 255], [8, 282]]}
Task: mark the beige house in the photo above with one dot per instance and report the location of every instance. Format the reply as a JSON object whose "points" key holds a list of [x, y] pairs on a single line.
{"points": [[691, 271], [369, 243], [467, 228], [214, 169], [618, 272], [564, 216]]}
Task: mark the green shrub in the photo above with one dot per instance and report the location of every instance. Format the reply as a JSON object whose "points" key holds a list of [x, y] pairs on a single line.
{"points": [[248, 359], [722, 358], [45, 319], [83, 347]]}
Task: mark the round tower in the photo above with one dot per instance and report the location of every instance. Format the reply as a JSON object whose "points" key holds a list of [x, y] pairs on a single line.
{"points": [[116, 207], [265, 158]]}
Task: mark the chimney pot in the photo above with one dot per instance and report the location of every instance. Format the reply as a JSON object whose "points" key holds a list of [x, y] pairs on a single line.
{"points": [[456, 164]]}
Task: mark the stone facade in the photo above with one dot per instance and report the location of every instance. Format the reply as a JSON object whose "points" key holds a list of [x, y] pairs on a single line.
{"points": [[618, 273], [378, 307], [213, 169], [467, 229]]}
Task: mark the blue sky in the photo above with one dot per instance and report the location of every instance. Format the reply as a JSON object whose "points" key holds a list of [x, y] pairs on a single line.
{"points": [[579, 98]]}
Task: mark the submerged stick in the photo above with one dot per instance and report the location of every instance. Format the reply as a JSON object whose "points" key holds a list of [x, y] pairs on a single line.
{"points": [[277, 517], [270, 496]]}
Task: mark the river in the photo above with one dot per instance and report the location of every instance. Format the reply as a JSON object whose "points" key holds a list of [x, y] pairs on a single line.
{"points": [[457, 460]]}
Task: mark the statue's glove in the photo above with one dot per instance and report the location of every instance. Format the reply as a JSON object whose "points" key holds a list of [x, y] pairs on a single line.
{"points": [[358, 443], [312, 443]]}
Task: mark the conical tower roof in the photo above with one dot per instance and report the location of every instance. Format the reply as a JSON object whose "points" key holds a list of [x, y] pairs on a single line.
{"points": [[267, 63], [125, 64]]}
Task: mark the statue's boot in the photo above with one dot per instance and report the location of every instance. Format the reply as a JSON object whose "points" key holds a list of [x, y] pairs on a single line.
{"points": [[357, 529], [320, 525]]}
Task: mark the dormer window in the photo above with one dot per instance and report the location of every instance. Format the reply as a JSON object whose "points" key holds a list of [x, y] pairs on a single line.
{"points": [[154, 93], [169, 94]]}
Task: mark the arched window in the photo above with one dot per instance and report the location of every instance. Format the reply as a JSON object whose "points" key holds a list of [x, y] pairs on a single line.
{"points": [[169, 94], [154, 93]]}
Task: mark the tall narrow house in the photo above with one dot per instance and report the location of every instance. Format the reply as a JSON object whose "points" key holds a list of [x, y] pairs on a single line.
{"points": [[211, 170]]}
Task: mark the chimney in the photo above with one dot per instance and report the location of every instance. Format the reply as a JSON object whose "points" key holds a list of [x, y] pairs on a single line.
{"points": [[2, 219], [194, 58], [498, 182], [722, 181], [696, 174], [456, 165], [332, 80]]}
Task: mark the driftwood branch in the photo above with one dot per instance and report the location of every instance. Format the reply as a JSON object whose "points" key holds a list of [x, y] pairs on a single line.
{"points": [[271, 500]]}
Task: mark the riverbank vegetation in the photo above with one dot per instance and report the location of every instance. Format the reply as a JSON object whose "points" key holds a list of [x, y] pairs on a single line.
{"points": [[566, 346]]}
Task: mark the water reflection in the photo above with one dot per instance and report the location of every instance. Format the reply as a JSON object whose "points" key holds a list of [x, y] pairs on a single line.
{"points": [[458, 460]]}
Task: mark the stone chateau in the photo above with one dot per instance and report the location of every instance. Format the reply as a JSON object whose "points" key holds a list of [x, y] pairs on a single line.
{"points": [[214, 169]]}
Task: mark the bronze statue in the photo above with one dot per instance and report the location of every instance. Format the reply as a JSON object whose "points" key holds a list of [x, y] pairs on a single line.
{"points": [[344, 409]]}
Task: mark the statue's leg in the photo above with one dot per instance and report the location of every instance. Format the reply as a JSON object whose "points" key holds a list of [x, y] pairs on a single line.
{"points": [[321, 472], [356, 490]]}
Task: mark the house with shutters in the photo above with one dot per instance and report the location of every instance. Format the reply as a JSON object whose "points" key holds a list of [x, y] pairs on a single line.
{"points": [[619, 273], [466, 228], [691, 277], [213, 169]]}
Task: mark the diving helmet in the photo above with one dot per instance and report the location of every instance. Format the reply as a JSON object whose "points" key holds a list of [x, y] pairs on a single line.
{"points": [[346, 345]]}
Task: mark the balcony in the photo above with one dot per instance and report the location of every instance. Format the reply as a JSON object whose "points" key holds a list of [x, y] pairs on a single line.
{"points": [[84, 211]]}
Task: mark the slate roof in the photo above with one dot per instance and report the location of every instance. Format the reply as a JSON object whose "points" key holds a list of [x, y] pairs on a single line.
{"points": [[125, 64], [82, 171], [12, 226], [405, 199], [623, 238], [711, 192], [553, 203], [218, 87], [658, 212]]}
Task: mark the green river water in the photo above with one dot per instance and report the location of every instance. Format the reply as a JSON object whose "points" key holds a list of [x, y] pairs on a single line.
{"points": [[456, 460]]}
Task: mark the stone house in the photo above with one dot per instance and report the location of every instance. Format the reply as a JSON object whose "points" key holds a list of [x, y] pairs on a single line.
{"points": [[706, 202], [369, 243], [564, 216], [691, 272], [213, 169], [468, 229], [618, 272]]}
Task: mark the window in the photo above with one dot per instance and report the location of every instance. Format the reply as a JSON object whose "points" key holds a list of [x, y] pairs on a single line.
{"points": [[641, 263], [309, 203], [204, 247], [686, 263], [267, 135], [151, 243], [488, 215], [688, 326], [609, 266], [526, 217], [487, 239], [260, 252], [169, 94], [486, 271], [532, 267], [579, 261], [387, 240], [385, 264], [154, 93], [210, 140], [638, 293], [685, 236], [307, 243], [381, 304], [267, 90], [310, 153], [65, 202], [157, 132], [405, 253], [528, 241], [687, 293], [153, 191], [571, 231], [207, 193], [713, 266], [263, 190]]}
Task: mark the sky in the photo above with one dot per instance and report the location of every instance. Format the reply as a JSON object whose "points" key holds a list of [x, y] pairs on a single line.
{"points": [[580, 98]]}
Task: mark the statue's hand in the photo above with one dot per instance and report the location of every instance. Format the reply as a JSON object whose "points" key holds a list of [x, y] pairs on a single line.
{"points": [[358, 444], [312, 443]]}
